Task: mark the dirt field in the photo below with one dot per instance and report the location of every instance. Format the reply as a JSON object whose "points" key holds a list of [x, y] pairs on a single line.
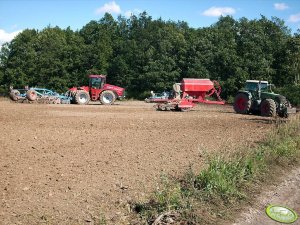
{"points": [[70, 164]]}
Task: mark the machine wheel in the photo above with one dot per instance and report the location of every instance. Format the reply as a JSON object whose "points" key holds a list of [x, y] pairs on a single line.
{"points": [[242, 103], [282, 112], [82, 97], [14, 95], [185, 109], [31, 95], [268, 108], [284, 101], [161, 107], [176, 108], [72, 94], [107, 97]]}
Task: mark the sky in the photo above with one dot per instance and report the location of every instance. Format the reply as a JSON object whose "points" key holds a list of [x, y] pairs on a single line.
{"points": [[17, 15]]}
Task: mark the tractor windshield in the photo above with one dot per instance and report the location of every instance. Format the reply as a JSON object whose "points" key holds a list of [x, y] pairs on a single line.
{"points": [[253, 86], [96, 82]]}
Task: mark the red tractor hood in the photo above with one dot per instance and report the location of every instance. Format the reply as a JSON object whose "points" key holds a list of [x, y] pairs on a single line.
{"points": [[86, 88], [118, 90]]}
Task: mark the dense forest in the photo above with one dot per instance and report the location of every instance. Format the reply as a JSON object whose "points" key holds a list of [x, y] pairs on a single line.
{"points": [[143, 54]]}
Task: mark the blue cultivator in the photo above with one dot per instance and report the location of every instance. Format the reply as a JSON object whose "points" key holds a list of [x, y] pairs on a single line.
{"points": [[39, 95]]}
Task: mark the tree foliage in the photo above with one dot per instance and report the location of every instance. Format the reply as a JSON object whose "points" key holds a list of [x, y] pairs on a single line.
{"points": [[143, 54]]}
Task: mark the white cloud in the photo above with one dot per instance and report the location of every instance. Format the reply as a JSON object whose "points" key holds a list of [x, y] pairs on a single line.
{"points": [[294, 18], [7, 37], [281, 6], [110, 7], [129, 13], [219, 11]]}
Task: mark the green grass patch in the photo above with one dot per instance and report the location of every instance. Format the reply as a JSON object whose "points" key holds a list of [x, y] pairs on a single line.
{"points": [[209, 196]]}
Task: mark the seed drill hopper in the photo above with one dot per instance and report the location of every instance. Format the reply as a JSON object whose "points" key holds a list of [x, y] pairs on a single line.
{"points": [[191, 91]]}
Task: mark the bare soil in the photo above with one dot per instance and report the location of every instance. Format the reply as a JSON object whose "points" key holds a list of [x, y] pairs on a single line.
{"points": [[71, 164]]}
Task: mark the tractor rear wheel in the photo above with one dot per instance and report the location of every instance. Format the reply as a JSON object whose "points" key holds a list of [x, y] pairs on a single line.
{"points": [[82, 97], [242, 103], [268, 108], [14, 95], [107, 97], [31, 95]]}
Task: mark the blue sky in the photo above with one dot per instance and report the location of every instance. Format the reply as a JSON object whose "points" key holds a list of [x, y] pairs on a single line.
{"points": [[17, 15]]}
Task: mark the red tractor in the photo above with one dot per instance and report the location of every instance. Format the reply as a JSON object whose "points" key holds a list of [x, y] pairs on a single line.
{"points": [[98, 89]]}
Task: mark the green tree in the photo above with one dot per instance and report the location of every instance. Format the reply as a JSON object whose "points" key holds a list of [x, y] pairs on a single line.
{"points": [[19, 60]]}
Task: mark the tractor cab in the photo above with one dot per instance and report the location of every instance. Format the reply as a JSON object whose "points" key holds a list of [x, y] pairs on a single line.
{"points": [[96, 84], [97, 81], [256, 85]]}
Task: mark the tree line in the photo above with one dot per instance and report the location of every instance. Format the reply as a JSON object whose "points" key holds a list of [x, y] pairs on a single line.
{"points": [[142, 54]]}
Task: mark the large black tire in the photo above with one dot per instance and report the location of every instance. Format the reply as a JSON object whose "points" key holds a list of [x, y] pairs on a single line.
{"points": [[14, 95], [282, 99], [107, 97], [282, 104], [72, 94], [82, 97], [242, 103], [268, 108], [31, 95]]}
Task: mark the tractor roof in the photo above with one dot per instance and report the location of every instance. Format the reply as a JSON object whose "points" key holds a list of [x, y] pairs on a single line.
{"points": [[102, 76], [257, 81]]}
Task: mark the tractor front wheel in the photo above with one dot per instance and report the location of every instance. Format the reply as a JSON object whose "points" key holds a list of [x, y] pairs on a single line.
{"points": [[107, 97], [82, 97], [268, 108], [242, 103]]}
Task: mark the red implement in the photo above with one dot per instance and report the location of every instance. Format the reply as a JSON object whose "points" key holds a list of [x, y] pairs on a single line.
{"points": [[191, 91]]}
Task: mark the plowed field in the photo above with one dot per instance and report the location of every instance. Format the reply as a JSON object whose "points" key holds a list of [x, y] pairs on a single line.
{"points": [[70, 164]]}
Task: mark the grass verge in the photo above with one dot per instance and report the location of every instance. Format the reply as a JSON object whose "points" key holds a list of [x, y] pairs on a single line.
{"points": [[216, 192]]}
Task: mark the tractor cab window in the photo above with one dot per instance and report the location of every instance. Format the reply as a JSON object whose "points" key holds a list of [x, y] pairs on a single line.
{"points": [[253, 86], [263, 86], [96, 82]]}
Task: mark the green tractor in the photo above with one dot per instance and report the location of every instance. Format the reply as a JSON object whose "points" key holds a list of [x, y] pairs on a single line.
{"points": [[258, 98]]}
